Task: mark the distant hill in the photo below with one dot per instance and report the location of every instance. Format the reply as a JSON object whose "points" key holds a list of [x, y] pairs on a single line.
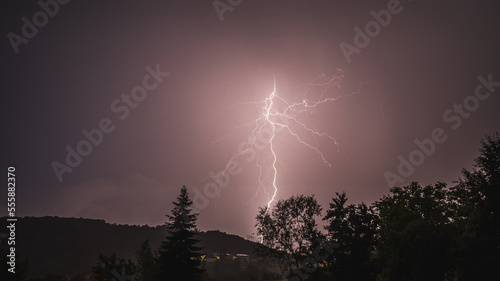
{"points": [[71, 246]]}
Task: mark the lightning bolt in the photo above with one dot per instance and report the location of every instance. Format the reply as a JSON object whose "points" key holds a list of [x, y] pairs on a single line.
{"points": [[286, 119], [269, 105]]}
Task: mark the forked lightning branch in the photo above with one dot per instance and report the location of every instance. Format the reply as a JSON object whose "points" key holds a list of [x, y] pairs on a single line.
{"points": [[277, 116]]}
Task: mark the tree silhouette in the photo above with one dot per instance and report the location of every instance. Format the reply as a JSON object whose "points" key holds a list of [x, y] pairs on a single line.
{"points": [[415, 234], [111, 268], [477, 213], [352, 228], [147, 266], [178, 254], [289, 231]]}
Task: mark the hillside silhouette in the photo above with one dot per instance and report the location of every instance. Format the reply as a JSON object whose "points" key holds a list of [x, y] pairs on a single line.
{"points": [[416, 232], [71, 246]]}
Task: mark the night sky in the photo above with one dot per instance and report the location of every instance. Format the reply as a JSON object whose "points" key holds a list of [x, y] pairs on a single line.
{"points": [[196, 70]]}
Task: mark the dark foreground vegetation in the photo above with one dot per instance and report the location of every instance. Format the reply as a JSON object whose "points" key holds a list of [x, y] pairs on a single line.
{"points": [[415, 233]]}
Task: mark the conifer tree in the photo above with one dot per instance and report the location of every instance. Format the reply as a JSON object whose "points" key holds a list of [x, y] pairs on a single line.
{"points": [[179, 257]]}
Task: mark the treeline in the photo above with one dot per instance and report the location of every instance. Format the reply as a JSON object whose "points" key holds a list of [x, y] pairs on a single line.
{"points": [[56, 247], [63, 249], [179, 257], [434, 232]]}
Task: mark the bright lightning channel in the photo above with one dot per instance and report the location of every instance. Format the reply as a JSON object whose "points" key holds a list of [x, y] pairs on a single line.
{"points": [[286, 119]]}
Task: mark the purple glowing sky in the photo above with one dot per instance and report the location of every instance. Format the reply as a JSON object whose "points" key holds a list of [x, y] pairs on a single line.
{"points": [[66, 78]]}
